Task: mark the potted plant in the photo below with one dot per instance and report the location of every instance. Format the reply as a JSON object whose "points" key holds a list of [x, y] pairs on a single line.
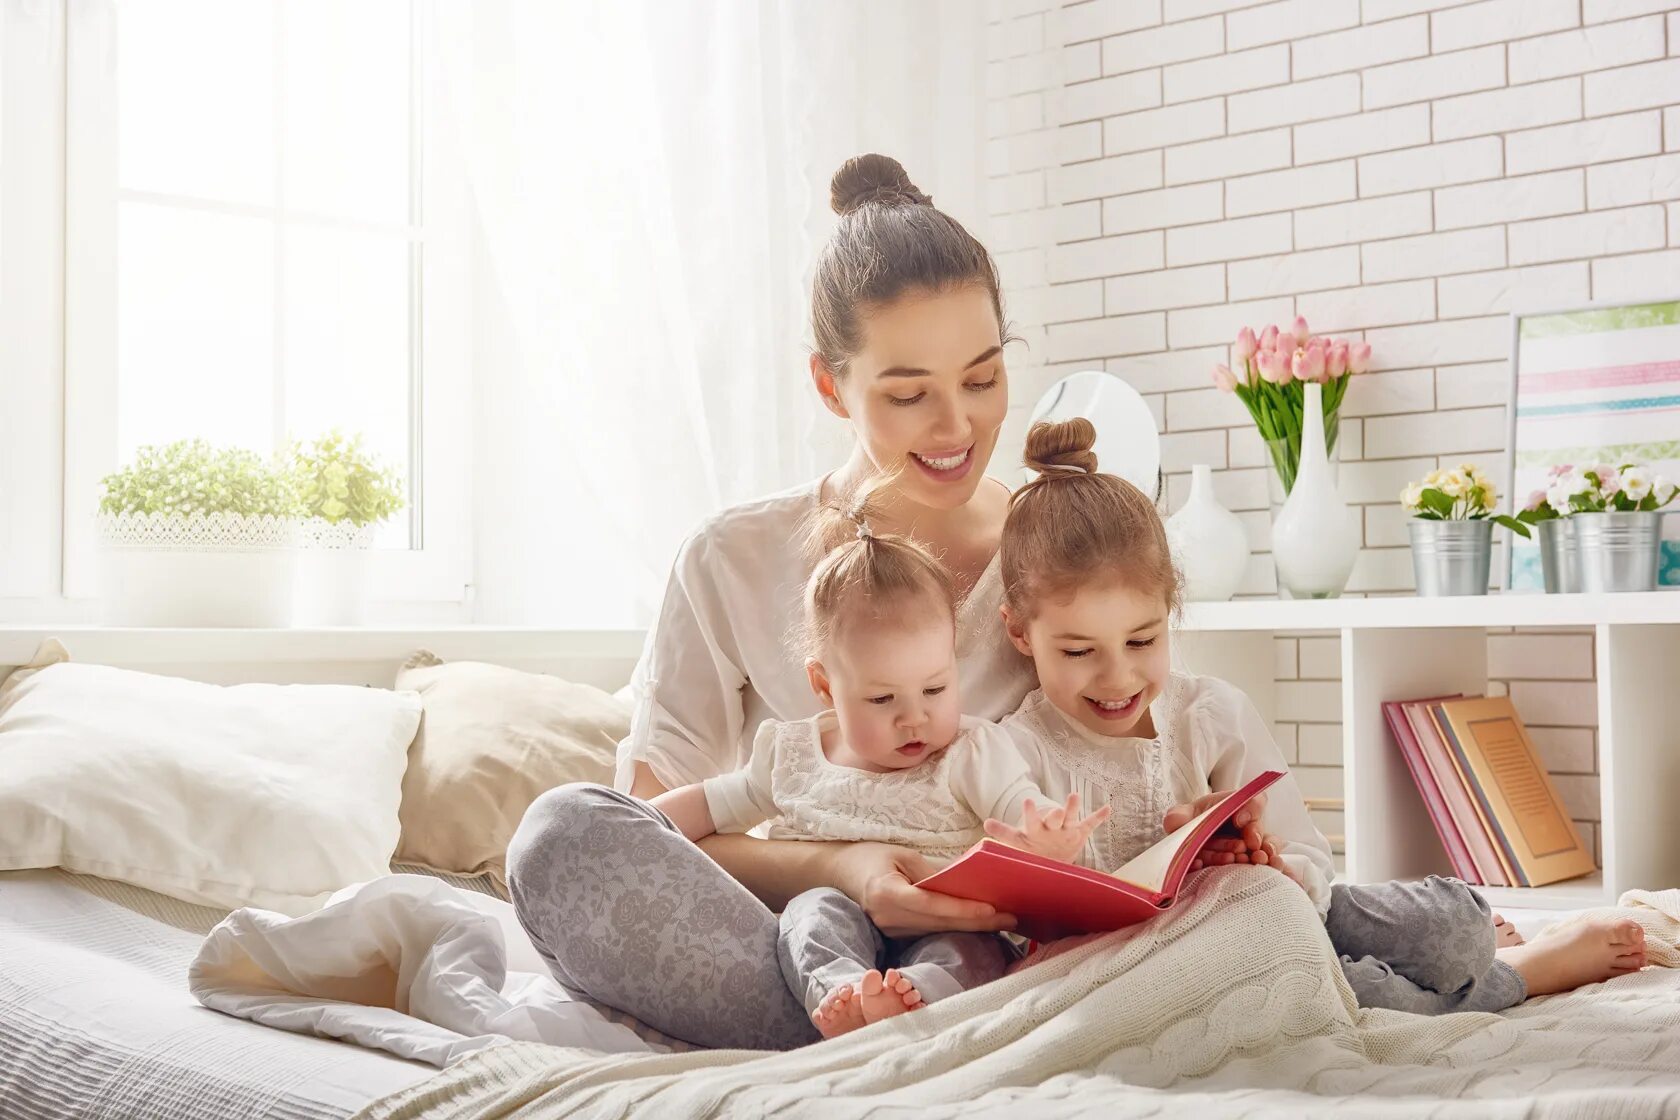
{"points": [[1452, 530], [196, 535], [344, 493], [1547, 514], [1280, 375], [1616, 514]]}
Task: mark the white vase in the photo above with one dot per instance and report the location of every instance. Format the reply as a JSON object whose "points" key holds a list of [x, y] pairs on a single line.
{"points": [[214, 570], [1315, 537], [332, 573], [1208, 542]]}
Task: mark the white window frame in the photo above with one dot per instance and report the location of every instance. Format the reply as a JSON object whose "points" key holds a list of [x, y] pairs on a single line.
{"points": [[31, 303], [437, 572]]}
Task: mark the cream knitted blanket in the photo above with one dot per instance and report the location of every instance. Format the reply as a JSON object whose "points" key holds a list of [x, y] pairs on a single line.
{"points": [[1231, 1004]]}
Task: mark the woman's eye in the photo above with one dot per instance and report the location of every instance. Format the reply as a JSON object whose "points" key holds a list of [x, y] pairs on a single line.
{"points": [[933, 691], [1075, 652], [982, 386], [902, 401], [1141, 643], [887, 699]]}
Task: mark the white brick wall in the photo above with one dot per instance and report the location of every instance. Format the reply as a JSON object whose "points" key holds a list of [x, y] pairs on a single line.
{"points": [[1406, 170]]}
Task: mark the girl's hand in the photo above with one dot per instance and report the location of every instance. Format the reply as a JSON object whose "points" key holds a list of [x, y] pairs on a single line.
{"points": [[1059, 833], [1249, 814], [881, 878]]}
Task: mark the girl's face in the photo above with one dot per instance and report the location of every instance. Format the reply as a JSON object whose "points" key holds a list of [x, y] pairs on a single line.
{"points": [[1101, 654], [893, 688], [927, 393]]}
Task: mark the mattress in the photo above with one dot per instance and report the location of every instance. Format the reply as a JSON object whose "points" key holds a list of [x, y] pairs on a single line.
{"points": [[96, 1020]]}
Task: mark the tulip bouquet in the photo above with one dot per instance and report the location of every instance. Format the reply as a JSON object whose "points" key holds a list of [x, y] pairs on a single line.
{"points": [[1271, 371]]}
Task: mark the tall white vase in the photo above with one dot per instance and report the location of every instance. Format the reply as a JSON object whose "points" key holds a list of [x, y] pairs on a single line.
{"points": [[1208, 542], [1315, 537]]}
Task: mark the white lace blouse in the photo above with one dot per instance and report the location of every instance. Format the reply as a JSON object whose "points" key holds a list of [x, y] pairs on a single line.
{"points": [[717, 663], [1210, 737], [937, 808]]}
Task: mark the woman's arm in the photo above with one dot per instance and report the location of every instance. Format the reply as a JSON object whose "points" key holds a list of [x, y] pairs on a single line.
{"points": [[878, 877]]}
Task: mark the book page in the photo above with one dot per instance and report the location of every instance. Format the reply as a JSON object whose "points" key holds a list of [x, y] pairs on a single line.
{"points": [[1149, 869]]}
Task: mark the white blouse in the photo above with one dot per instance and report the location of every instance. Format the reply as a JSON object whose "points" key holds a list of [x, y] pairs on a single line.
{"points": [[717, 662], [938, 808], [1209, 737]]}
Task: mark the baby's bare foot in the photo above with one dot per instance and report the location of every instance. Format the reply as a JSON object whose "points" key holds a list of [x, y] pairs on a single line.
{"points": [[839, 1012], [884, 997], [1578, 953], [1504, 933]]}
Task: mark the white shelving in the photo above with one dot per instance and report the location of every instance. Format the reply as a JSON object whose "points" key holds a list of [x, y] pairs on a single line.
{"points": [[1404, 648]]}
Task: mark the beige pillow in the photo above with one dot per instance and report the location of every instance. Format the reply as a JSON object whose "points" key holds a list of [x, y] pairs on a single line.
{"points": [[493, 739]]}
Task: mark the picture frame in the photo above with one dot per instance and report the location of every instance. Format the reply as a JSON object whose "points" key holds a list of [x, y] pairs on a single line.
{"points": [[1591, 384]]}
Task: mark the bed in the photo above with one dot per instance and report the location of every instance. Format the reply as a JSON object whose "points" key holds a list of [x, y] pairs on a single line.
{"points": [[96, 1020]]}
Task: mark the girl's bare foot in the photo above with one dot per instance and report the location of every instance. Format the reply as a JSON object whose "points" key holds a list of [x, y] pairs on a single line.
{"points": [[1578, 953], [1504, 933], [839, 1012], [882, 997]]}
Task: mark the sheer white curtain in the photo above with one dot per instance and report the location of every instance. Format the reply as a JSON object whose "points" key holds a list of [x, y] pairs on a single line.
{"points": [[650, 182]]}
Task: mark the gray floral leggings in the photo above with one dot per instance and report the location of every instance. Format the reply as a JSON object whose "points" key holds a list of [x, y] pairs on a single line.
{"points": [[626, 911]]}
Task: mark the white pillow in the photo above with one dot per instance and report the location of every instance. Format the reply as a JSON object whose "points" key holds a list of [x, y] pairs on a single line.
{"points": [[264, 795]]}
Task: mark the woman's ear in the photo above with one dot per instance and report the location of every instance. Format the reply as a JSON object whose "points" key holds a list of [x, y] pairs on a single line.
{"points": [[1017, 632], [818, 676], [823, 378]]}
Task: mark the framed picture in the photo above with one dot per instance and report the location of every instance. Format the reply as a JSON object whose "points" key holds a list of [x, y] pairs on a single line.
{"points": [[1589, 385]]}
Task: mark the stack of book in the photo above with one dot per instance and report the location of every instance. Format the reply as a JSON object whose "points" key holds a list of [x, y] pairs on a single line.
{"points": [[1492, 802]]}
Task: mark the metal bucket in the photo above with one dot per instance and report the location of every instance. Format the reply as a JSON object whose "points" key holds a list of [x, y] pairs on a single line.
{"points": [[1451, 557], [1618, 551], [1559, 563]]}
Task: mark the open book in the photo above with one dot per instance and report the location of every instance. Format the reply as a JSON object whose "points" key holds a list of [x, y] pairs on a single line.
{"points": [[1051, 899]]}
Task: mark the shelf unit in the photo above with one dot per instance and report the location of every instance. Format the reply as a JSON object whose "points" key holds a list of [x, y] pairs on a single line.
{"points": [[1403, 648]]}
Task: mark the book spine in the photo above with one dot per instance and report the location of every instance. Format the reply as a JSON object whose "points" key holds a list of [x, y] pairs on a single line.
{"points": [[1506, 855], [1439, 816], [1459, 802]]}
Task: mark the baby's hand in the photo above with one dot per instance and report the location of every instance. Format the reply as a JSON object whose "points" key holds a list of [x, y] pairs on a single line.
{"points": [[1059, 833]]}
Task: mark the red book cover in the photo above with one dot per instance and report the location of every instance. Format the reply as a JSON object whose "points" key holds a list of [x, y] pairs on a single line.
{"points": [[1451, 784], [1439, 815], [1051, 899]]}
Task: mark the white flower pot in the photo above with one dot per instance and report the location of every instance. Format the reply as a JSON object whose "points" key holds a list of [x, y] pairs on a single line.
{"points": [[332, 573], [216, 570], [1208, 542]]}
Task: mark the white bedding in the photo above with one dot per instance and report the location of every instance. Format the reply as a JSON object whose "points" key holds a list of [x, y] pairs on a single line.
{"points": [[96, 1020]]}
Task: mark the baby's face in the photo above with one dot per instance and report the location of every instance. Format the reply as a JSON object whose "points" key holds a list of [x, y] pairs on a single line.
{"points": [[893, 687], [1102, 656]]}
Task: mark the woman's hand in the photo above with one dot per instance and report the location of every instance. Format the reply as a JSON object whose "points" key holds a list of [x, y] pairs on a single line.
{"points": [[881, 878], [1056, 833], [1180, 815]]}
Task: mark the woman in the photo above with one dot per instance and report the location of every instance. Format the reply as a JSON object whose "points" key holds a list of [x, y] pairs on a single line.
{"points": [[908, 323]]}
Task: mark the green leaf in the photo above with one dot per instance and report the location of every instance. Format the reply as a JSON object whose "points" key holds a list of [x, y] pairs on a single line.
{"points": [[1437, 502], [1512, 524]]}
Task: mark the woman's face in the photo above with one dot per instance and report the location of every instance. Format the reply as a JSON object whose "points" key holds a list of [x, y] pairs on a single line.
{"points": [[927, 393]]}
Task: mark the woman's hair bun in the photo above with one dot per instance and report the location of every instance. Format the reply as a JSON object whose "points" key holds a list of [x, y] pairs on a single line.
{"points": [[1054, 448], [873, 178]]}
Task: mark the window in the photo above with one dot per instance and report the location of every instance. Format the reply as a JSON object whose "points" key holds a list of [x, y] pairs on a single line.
{"points": [[265, 240]]}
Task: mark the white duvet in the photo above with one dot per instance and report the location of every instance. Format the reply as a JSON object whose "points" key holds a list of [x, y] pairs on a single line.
{"points": [[403, 964]]}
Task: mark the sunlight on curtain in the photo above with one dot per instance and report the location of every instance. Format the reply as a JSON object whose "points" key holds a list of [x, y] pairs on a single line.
{"points": [[650, 183]]}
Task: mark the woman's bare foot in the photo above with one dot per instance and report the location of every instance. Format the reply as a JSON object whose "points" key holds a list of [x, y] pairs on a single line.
{"points": [[839, 1012], [1578, 953], [883, 997], [1504, 933]]}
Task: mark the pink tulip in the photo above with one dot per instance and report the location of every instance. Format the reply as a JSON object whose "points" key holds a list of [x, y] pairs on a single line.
{"points": [[1300, 331], [1359, 357], [1308, 364], [1287, 342], [1245, 346], [1268, 338], [1336, 363], [1272, 366], [1223, 378]]}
